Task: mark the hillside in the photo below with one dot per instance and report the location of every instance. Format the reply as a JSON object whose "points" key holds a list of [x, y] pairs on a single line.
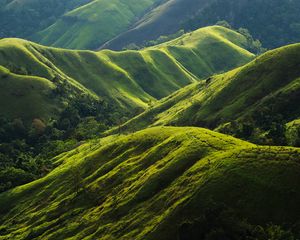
{"points": [[53, 99], [25, 17], [152, 183], [128, 80], [253, 102], [274, 22], [88, 26]]}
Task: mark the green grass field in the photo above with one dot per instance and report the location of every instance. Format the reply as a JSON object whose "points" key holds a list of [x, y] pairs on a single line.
{"points": [[267, 86], [128, 80], [106, 19], [143, 185]]}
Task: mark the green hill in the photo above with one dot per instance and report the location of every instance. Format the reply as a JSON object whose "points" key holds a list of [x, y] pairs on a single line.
{"points": [[275, 23], [158, 184], [254, 101], [114, 24], [88, 26], [128, 80], [22, 18], [53, 99]]}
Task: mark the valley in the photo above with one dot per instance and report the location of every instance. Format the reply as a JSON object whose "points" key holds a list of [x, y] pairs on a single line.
{"points": [[149, 120]]}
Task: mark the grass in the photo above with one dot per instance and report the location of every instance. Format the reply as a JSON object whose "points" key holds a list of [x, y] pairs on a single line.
{"points": [[19, 92], [129, 80], [143, 185], [270, 82], [89, 26]]}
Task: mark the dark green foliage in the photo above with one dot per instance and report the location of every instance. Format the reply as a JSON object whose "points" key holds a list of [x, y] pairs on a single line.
{"points": [[11, 177], [161, 39], [22, 19], [26, 151], [221, 223], [274, 22]]}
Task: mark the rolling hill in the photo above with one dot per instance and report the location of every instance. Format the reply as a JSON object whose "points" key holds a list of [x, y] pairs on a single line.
{"points": [[158, 183], [127, 80], [90, 25], [254, 101], [53, 99], [275, 23], [23, 18]]}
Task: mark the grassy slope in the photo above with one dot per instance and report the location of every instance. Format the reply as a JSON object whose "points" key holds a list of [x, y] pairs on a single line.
{"points": [[130, 79], [22, 18], [257, 16], [19, 92], [141, 186], [165, 19], [271, 81], [89, 26]]}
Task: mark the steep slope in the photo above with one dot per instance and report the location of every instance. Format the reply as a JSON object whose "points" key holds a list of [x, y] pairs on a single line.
{"points": [[274, 22], [262, 94], [89, 26], [128, 80], [146, 185]]}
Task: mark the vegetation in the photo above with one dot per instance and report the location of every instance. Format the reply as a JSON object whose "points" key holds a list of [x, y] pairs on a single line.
{"points": [[24, 18], [160, 183], [110, 145], [77, 95], [275, 23], [115, 24], [91, 25], [124, 79], [255, 102]]}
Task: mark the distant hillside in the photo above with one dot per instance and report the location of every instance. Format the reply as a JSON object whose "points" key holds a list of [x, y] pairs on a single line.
{"points": [[253, 102], [274, 22], [89, 26], [127, 80], [22, 18], [160, 183], [114, 24]]}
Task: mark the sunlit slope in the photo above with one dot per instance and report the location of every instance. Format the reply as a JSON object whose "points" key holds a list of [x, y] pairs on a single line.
{"points": [[211, 49], [144, 185], [19, 95], [261, 91], [88, 26], [166, 18], [129, 80], [257, 16]]}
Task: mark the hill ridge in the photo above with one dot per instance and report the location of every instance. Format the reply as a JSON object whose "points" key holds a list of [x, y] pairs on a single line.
{"points": [[142, 185], [153, 72]]}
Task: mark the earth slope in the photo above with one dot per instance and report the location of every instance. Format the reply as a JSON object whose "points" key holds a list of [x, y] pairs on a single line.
{"points": [[88, 26], [145, 185], [262, 93], [274, 22], [127, 80]]}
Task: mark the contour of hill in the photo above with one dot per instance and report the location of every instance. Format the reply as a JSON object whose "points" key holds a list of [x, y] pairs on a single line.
{"points": [[88, 26], [145, 185], [127, 80], [22, 18], [273, 22], [263, 92]]}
